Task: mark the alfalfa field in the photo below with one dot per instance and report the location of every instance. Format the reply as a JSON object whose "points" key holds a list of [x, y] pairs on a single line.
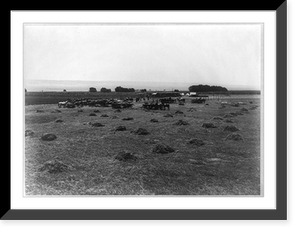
{"points": [[191, 149]]}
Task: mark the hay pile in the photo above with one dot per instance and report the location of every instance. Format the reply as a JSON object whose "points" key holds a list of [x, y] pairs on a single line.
{"points": [[191, 110], [254, 107], [153, 120], [178, 112], [162, 149], [168, 115], [181, 122], [55, 111], [228, 121], [97, 110], [54, 166], [218, 118], [29, 132], [244, 110], [196, 142], [234, 137], [59, 121], [104, 115], [118, 110], [125, 156], [48, 137], [208, 125], [92, 114], [227, 116], [120, 128], [231, 128], [96, 124], [80, 110], [235, 105], [140, 131], [39, 110], [127, 119], [233, 114]]}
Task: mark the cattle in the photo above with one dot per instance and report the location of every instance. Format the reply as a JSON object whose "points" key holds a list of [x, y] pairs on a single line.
{"points": [[156, 106]]}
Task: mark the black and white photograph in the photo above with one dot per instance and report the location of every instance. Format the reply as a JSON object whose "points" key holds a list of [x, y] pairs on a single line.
{"points": [[143, 109]]}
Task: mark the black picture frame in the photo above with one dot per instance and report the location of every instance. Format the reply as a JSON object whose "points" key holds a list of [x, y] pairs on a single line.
{"points": [[280, 213]]}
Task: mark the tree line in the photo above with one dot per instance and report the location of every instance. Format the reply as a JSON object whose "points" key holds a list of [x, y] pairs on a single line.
{"points": [[117, 89], [193, 88], [206, 88]]}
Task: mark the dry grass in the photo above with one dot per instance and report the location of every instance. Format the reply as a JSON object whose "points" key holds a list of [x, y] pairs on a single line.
{"points": [[217, 167]]}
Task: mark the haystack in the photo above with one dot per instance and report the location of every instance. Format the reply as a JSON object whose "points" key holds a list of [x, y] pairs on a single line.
{"points": [[231, 128], [125, 156], [153, 120], [181, 122], [92, 114], [54, 166], [191, 110], [140, 131], [227, 116], [120, 128], [196, 142], [59, 121], [55, 111], [239, 113], [96, 124], [244, 110], [228, 121], [127, 119], [162, 149], [254, 107], [218, 118], [104, 115], [29, 132], [168, 115], [234, 137], [48, 137], [233, 114], [208, 125]]}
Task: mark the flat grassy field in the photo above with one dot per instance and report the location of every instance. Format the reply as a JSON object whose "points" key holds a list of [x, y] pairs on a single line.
{"points": [[84, 159]]}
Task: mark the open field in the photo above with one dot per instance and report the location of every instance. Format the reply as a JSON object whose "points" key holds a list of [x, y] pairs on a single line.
{"points": [[83, 159]]}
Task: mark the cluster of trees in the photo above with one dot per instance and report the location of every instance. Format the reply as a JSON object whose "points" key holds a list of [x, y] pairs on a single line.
{"points": [[103, 89], [123, 89], [206, 88]]}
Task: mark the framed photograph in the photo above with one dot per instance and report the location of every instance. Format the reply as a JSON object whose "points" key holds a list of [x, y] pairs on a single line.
{"points": [[148, 115]]}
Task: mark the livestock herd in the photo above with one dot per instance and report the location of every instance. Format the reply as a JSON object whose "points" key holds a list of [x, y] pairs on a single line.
{"points": [[154, 104]]}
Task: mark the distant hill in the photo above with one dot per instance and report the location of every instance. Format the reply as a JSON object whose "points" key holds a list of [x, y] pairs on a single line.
{"points": [[206, 88]]}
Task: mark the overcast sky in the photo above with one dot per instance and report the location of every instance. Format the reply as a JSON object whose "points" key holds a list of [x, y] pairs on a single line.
{"points": [[215, 54]]}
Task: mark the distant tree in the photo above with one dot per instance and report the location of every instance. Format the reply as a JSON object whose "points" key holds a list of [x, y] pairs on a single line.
{"points": [[206, 88], [93, 89], [122, 89], [103, 89], [176, 90], [65, 90], [25, 90], [143, 90]]}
